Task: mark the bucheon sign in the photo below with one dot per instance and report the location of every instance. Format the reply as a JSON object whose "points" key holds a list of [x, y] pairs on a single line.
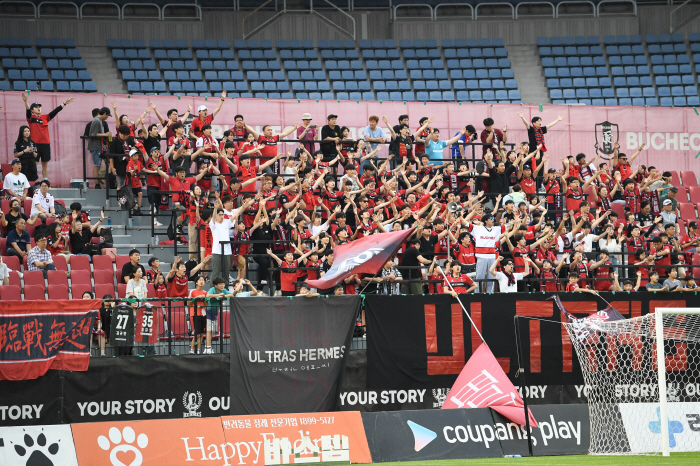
{"points": [[419, 344], [672, 134], [293, 438]]}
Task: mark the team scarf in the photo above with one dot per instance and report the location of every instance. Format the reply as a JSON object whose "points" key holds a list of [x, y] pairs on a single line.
{"points": [[511, 277]]}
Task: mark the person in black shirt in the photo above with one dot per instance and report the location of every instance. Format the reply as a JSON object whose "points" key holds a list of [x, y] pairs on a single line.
{"points": [[133, 264], [263, 233], [25, 151], [80, 237], [153, 139], [413, 258], [330, 136], [499, 176], [119, 154]]}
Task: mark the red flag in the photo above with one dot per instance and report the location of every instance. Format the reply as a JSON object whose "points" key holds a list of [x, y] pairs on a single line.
{"points": [[483, 384], [366, 255]]}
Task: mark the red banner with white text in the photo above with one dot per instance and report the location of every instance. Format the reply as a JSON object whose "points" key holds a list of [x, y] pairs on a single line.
{"points": [[672, 135], [36, 336]]}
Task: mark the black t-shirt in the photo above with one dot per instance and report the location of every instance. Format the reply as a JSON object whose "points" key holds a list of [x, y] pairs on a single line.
{"points": [[185, 162], [79, 240], [262, 233], [531, 136], [22, 145], [403, 146], [121, 147], [151, 142], [128, 269], [328, 147], [12, 220], [427, 245], [410, 259]]}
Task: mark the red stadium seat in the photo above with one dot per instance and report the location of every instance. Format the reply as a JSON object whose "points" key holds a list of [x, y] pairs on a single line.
{"points": [[60, 201], [3, 246], [226, 322], [180, 323], [151, 291], [102, 290], [697, 206], [79, 263], [5, 206], [121, 290], [34, 293], [27, 207], [34, 278], [102, 263], [104, 277], [675, 179], [12, 263], [696, 264], [121, 260], [50, 221], [56, 277], [80, 277], [59, 292], [14, 279], [687, 211], [681, 226], [77, 289], [10, 293], [30, 230], [694, 194], [6, 168], [689, 179], [619, 208], [59, 261]]}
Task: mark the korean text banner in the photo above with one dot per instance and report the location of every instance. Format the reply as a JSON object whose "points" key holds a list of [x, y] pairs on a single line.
{"points": [[36, 336], [298, 438], [672, 135], [287, 354]]}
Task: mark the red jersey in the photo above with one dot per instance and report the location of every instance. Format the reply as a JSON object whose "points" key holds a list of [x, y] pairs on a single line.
{"points": [[625, 172], [198, 123], [268, 147], [183, 140], [664, 260], [182, 187], [420, 147], [39, 125], [177, 287], [245, 174], [571, 287], [529, 186], [459, 284], [550, 281], [206, 238], [435, 287], [519, 255], [574, 198], [552, 187], [288, 275], [198, 304], [133, 169], [463, 254], [155, 179], [239, 249], [602, 274], [633, 200]]}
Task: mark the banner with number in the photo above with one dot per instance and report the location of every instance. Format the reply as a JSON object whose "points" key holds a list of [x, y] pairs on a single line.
{"points": [[122, 332], [146, 325], [36, 336]]}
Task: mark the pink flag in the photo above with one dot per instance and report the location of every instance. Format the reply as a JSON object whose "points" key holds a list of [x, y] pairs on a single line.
{"points": [[483, 384]]}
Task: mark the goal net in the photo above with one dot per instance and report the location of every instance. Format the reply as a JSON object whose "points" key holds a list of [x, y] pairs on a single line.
{"points": [[635, 402]]}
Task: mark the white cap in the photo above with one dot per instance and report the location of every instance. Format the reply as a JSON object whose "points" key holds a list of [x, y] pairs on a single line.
{"points": [[201, 107], [668, 202], [133, 152]]}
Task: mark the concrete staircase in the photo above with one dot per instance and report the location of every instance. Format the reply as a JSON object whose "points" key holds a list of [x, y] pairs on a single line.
{"points": [[103, 70], [529, 73]]}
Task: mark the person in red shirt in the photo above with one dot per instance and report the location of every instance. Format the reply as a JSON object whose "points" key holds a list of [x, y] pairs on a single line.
{"points": [[464, 251], [289, 272], [456, 283], [154, 182], [603, 274], [435, 287], [204, 118], [133, 169], [181, 185], [491, 137], [178, 278], [573, 284], [39, 128], [248, 172], [661, 252], [620, 161], [171, 120], [549, 276], [421, 138], [690, 241], [268, 143]]}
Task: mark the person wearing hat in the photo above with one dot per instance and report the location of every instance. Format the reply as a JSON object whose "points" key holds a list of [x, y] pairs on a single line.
{"points": [[39, 126], [95, 143], [133, 171], [204, 118], [330, 136], [119, 154], [15, 184], [508, 279], [552, 184], [526, 178], [668, 213], [307, 132], [268, 144]]}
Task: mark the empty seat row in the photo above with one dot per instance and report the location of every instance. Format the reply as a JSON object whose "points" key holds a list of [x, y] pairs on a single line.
{"points": [[141, 65], [464, 64], [628, 60], [568, 40], [301, 54], [627, 49], [59, 53], [143, 54], [65, 64], [257, 54], [16, 41], [381, 54], [634, 81], [629, 70], [300, 65], [685, 79], [582, 51], [43, 75], [670, 59], [55, 42], [338, 54], [487, 52], [219, 65], [663, 38], [672, 69], [294, 44], [343, 65], [22, 63], [49, 86], [572, 61], [17, 52], [207, 54], [264, 65], [590, 71], [143, 75]]}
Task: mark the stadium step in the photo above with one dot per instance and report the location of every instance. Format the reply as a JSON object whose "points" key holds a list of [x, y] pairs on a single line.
{"points": [[527, 68]]}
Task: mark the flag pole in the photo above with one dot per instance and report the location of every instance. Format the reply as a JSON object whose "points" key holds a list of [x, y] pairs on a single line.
{"points": [[460, 303], [521, 371]]}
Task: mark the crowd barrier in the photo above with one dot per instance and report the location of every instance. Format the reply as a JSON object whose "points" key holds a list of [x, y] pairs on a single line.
{"points": [[672, 134]]}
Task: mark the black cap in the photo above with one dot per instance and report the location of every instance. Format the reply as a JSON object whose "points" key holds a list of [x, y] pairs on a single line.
{"points": [[106, 110], [332, 115], [31, 107], [552, 170], [527, 167], [693, 225], [234, 180]]}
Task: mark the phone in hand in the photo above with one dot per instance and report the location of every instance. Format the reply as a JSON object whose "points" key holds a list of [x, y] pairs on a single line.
{"points": [[312, 126]]}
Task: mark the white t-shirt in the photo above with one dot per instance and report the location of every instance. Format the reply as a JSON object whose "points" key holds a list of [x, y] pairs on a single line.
{"points": [[15, 183], [228, 215], [44, 202], [220, 233], [560, 245], [139, 289], [503, 282], [587, 241]]}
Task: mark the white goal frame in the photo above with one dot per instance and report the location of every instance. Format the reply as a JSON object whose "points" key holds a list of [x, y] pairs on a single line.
{"points": [[661, 368]]}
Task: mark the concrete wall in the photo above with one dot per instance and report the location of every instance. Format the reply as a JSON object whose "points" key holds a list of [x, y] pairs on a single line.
{"points": [[375, 24]]}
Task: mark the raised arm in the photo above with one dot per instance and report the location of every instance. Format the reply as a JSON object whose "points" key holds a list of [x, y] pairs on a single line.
{"points": [[221, 104], [559, 118], [289, 131]]}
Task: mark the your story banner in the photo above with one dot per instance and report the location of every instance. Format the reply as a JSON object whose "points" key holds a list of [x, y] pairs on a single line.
{"points": [[419, 344], [36, 336], [288, 355], [672, 134]]}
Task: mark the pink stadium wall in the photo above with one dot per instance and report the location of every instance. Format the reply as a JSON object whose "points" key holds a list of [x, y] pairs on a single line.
{"points": [[672, 134]]}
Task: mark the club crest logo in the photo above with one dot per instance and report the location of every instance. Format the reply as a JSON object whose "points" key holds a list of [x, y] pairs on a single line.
{"points": [[440, 395], [192, 402]]}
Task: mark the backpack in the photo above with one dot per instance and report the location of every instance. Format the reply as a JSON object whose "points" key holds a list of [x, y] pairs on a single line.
{"points": [[171, 227], [125, 197], [59, 209]]}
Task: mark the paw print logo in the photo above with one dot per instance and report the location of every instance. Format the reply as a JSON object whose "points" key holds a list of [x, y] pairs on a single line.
{"points": [[126, 450], [36, 451]]}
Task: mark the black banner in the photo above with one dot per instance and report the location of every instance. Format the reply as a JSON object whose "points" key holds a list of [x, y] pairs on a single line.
{"points": [[122, 333], [474, 433], [287, 355], [417, 345]]}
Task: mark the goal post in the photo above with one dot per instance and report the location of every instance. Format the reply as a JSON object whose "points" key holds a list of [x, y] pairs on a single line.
{"points": [[643, 380]]}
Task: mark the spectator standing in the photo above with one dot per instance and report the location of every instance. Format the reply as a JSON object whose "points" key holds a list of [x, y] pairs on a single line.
{"points": [[98, 130], [457, 150], [491, 137], [216, 293], [390, 279], [508, 279], [25, 151], [221, 258], [204, 118], [456, 282], [486, 240], [412, 258], [373, 134], [268, 144], [18, 240], [42, 202], [434, 148], [119, 158], [39, 126], [330, 136], [536, 132], [172, 119], [422, 138], [307, 132], [177, 279], [15, 184]]}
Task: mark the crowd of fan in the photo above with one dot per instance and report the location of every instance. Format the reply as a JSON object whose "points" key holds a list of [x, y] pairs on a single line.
{"points": [[514, 216]]}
